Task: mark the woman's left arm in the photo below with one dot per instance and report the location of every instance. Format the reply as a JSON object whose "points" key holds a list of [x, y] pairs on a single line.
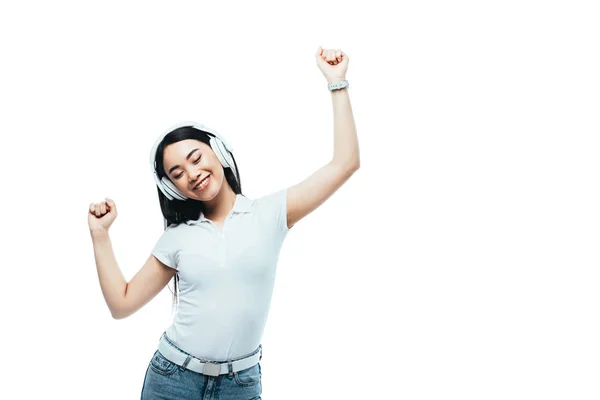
{"points": [[306, 196]]}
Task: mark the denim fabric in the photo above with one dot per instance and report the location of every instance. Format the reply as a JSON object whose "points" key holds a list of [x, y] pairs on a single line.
{"points": [[166, 380]]}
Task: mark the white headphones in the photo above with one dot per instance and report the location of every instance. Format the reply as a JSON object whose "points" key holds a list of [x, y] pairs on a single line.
{"points": [[218, 144]]}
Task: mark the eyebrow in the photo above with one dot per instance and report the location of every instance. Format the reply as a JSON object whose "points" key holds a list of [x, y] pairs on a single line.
{"points": [[187, 158]]}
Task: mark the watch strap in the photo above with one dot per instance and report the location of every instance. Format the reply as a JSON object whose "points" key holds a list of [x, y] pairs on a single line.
{"points": [[338, 85]]}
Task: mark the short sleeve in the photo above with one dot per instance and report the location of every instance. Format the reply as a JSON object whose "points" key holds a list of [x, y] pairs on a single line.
{"points": [[165, 248], [273, 209]]}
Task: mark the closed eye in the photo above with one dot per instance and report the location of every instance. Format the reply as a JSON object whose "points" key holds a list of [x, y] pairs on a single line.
{"points": [[195, 162]]}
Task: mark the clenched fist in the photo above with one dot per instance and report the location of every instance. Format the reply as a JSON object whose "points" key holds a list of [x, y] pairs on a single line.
{"points": [[102, 215], [333, 63]]}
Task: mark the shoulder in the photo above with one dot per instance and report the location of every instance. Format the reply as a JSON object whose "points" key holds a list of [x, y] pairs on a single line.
{"points": [[272, 209], [176, 230]]}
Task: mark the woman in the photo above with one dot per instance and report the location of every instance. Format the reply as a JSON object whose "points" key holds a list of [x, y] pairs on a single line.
{"points": [[224, 248]]}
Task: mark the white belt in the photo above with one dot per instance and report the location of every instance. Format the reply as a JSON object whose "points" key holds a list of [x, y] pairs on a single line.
{"points": [[210, 367]]}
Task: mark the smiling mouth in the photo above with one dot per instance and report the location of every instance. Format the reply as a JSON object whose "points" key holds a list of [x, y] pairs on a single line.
{"points": [[206, 179]]}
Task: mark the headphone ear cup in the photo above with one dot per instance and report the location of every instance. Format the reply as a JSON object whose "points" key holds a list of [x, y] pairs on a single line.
{"points": [[172, 189], [223, 154], [161, 186]]}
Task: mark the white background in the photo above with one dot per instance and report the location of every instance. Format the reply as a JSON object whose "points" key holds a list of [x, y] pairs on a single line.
{"points": [[460, 261]]}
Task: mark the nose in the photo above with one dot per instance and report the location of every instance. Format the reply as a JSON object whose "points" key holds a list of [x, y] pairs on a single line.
{"points": [[194, 176]]}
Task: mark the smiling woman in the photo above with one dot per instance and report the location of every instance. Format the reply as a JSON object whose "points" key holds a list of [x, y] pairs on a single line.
{"points": [[185, 157], [225, 248]]}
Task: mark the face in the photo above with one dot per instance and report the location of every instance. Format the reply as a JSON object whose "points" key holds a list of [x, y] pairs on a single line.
{"points": [[188, 162]]}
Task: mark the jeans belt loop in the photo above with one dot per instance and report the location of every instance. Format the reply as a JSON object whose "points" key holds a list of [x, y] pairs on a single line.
{"points": [[185, 363], [230, 367]]}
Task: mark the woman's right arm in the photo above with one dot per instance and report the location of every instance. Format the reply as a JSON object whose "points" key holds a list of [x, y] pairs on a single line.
{"points": [[125, 298]]}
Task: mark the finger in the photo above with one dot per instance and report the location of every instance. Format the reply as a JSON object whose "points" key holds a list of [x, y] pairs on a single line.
{"points": [[323, 55], [338, 55], [110, 202], [103, 207], [91, 208], [330, 56]]}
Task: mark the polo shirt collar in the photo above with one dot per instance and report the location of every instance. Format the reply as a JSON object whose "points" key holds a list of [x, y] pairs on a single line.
{"points": [[242, 205]]}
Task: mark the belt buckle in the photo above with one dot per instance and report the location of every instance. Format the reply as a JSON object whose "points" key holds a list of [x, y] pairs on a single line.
{"points": [[211, 369]]}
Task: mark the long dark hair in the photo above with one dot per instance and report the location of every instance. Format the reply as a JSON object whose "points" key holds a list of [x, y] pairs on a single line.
{"points": [[178, 211]]}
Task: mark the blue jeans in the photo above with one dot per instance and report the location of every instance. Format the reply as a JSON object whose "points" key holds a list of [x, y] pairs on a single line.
{"points": [[166, 380]]}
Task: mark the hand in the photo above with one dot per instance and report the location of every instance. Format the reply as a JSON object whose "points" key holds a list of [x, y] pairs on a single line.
{"points": [[333, 63], [102, 215]]}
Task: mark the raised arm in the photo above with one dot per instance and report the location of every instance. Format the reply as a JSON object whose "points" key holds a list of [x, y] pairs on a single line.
{"points": [[123, 298], [306, 196]]}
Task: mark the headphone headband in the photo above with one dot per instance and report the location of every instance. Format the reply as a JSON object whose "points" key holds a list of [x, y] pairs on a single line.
{"points": [[193, 124]]}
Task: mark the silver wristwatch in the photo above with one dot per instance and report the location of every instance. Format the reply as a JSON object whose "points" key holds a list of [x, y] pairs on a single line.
{"points": [[338, 85]]}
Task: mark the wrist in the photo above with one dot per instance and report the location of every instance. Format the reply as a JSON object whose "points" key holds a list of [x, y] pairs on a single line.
{"points": [[98, 233]]}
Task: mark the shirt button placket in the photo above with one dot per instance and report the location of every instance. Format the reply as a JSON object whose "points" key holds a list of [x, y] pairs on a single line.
{"points": [[222, 249]]}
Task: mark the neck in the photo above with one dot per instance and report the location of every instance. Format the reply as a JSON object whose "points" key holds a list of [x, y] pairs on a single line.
{"points": [[219, 207]]}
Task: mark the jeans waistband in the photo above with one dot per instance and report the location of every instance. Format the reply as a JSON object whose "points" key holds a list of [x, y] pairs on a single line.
{"points": [[209, 367]]}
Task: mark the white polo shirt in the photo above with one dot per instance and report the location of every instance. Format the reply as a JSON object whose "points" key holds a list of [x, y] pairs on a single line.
{"points": [[225, 277]]}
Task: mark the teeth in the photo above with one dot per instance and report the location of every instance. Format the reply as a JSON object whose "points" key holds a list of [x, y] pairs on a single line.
{"points": [[203, 183]]}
